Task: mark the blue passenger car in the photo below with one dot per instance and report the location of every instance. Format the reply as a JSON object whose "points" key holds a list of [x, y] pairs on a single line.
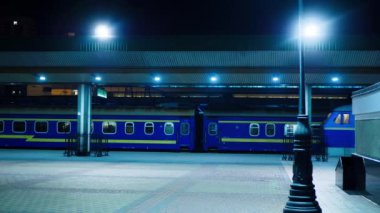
{"points": [[146, 129], [244, 131], [248, 131], [124, 128]]}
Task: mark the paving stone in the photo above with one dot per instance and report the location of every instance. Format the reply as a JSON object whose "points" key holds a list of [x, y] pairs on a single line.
{"points": [[45, 181]]}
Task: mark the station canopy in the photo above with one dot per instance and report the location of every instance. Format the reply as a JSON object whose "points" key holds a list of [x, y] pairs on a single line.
{"points": [[190, 60]]}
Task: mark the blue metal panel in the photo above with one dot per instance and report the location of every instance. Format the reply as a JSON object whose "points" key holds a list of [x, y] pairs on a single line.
{"points": [[340, 138]]}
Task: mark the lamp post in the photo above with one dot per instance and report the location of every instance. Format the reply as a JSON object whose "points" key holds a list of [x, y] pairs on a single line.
{"points": [[302, 193]]}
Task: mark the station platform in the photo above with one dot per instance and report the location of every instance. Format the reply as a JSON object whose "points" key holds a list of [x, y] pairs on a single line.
{"points": [[46, 181]]}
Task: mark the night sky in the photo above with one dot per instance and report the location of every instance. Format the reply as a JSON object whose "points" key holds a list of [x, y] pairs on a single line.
{"points": [[191, 17]]}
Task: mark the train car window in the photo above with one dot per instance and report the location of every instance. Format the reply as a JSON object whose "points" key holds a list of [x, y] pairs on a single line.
{"points": [[289, 130], [63, 127], [109, 127], [149, 128], [41, 126], [185, 128], [129, 128], [212, 128], [19, 126], [1, 126], [254, 129], [346, 118], [270, 130], [169, 128], [338, 119]]}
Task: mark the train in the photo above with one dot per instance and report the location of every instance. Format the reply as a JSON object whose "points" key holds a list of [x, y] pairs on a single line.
{"points": [[171, 129], [339, 131]]}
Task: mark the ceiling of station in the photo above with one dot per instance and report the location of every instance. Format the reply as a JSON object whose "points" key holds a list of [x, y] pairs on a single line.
{"points": [[188, 59], [201, 79], [191, 67]]}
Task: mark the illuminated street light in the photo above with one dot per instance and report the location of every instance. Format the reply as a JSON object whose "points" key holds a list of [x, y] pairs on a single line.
{"points": [[313, 29], [103, 32], [98, 78]]}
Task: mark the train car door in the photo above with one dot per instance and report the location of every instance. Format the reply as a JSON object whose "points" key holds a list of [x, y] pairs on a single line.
{"points": [[212, 139], [184, 135]]}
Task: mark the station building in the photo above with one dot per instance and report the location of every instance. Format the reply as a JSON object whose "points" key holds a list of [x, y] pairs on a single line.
{"points": [[190, 93]]}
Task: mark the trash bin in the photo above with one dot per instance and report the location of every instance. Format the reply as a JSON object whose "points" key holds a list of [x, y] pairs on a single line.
{"points": [[350, 173]]}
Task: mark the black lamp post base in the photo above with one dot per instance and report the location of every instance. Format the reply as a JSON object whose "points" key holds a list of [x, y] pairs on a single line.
{"points": [[82, 153], [302, 193], [302, 199], [304, 209]]}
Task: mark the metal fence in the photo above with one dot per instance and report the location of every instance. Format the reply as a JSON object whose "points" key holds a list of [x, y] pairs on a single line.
{"points": [[318, 145], [98, 145]]}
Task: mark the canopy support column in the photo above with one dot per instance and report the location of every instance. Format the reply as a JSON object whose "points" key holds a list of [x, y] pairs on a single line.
{"points": [[84, 119]]}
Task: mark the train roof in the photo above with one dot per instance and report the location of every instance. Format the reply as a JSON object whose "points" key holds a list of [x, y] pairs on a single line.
{"points": [[144, 111], [370, 89], [250, 113], [345, 108], [258, 113], [100, 111]]}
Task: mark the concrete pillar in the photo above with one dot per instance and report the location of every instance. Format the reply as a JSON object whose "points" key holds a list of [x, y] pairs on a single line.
{"points": [[84, 119], [309, 101]]}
